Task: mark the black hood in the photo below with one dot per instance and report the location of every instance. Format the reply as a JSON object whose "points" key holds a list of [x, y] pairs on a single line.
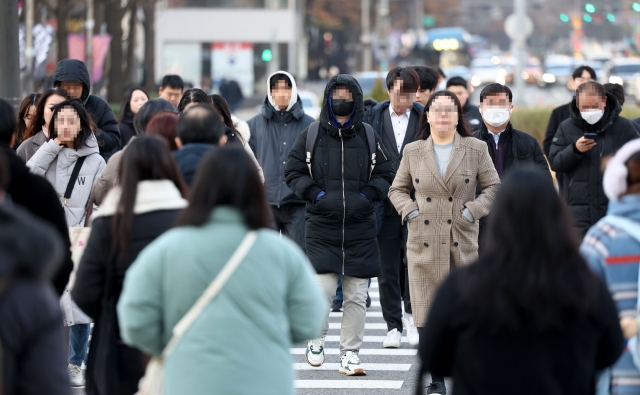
{"points": [[28, 246], [611, 112], [72, 70], [268, 111], [358, 114]]}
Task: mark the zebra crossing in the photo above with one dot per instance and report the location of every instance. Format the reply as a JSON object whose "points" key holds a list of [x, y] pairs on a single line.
{"points": [[389, 371]]}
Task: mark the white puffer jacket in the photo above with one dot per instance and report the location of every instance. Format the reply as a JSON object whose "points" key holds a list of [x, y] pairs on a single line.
{"points": [[56, 164]]}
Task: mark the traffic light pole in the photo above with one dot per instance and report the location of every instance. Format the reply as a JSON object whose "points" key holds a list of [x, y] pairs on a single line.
{"points": [[10, 50]]}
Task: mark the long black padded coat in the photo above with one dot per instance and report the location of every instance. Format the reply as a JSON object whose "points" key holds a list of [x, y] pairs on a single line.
{"points": [[582, 185], [340, 232]]}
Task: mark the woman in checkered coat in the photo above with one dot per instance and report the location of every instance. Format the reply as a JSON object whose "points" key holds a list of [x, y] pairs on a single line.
{"points": [[443, 165]]}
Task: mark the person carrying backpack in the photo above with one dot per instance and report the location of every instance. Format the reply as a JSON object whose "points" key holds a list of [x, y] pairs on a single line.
{"points": [[611, 247], [338, 166]]}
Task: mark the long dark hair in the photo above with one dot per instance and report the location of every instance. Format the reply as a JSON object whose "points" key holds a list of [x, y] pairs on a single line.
{"points": [[146, 158], [222, 107], [193, 95], [164, 124], [86, 123], [530, 273], [227, 177], [21, 127], [37, 122], [125, 106], [424, 131]]}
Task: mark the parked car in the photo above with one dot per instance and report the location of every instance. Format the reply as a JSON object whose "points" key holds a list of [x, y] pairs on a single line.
{"points": [[310, 103]]}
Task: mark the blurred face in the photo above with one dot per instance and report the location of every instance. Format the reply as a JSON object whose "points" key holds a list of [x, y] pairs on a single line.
{"points": [[590, 100], [48, 105], [171, 94], [496, 110], [74, 89], [138, 98], [281, 94], [400, 97], [422, 96], [461, 92], [585, 77], [29, 115], [443, 116], [67, 125]]}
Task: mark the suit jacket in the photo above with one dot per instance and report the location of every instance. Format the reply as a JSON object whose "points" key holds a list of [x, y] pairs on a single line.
{"points": [[441, 237]]}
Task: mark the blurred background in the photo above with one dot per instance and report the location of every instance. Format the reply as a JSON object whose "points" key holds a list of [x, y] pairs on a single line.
{"points": [[531, 45]]}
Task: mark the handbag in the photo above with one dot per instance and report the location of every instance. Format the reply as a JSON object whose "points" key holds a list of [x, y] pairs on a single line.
{"points": [[153, 381]]}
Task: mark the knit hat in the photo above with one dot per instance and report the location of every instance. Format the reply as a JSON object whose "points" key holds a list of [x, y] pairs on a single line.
{"points": [[614, 181]]}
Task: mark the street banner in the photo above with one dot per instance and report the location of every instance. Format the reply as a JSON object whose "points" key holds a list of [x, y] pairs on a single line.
{"points": [[100, 47]]}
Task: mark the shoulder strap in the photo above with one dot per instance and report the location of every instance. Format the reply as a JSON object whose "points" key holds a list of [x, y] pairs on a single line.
{"points": [[312, 136], [211, 292], [72, 180], [371, 141], [632, 228]]}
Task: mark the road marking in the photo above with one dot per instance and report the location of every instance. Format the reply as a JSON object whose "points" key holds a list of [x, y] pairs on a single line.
{"points": [[397, 367], [367, 339], [364, 351], [337, 325], [369, 384], [371, 314]]}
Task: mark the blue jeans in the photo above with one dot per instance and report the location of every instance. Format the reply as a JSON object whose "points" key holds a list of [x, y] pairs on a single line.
{"points": [[78, 343]]}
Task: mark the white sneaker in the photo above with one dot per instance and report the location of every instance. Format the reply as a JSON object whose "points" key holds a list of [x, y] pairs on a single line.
{"points": [[350, 365], [315, 352], [393, 339], [412, 332], [76, 375]]}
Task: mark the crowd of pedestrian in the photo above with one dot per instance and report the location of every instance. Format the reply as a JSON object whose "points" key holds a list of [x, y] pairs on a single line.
{"points": [[179, 247]]}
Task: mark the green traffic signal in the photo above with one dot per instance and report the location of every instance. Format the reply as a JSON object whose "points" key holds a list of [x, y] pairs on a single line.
{"points": [[587, 18], [564, 18], [267, 55], [590, 8], [611, 17], [636, 7]]}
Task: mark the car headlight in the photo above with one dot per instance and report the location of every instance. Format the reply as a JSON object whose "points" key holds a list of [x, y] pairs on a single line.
{"points": [[548, 78], [614, 79], [476, 80]]}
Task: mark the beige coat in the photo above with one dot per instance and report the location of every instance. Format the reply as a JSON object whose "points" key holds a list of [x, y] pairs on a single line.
{"points": [[441, 237]]}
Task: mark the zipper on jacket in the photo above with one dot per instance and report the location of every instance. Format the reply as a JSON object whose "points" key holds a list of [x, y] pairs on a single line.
{"points": [[382, 152], [344, 201]]}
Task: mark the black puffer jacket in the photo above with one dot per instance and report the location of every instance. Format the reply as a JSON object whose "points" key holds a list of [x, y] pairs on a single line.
{"points": [[109, 137], [583, 179], [38, 196], [340, 232], [272, 136], [523, 149], [31, 336], [127, 131]]}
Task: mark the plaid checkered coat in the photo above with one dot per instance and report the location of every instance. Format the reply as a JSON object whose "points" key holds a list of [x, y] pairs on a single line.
{"points": [[441, 237]]}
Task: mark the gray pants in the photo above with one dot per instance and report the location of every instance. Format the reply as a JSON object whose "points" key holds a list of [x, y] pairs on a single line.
{"points": [[354, 291]]}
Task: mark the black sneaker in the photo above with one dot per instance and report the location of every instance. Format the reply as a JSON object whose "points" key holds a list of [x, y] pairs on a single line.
{"points": [[436, 389], [336, 306], [368, 300]]}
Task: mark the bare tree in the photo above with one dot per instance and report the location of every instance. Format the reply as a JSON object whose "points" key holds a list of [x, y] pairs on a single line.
{"points": [[131, 41], [115, 11], [149, 9]]}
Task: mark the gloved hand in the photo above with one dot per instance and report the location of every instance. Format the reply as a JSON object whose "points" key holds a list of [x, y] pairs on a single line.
{"points": [[319, 195], [411, 215], [467, 214]]}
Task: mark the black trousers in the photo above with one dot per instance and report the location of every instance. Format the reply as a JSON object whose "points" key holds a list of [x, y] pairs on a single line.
{"points": [[393, 281], [289, 219]]}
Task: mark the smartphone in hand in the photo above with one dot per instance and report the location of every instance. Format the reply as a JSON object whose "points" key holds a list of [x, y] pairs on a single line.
{"points": [[591, 136]]}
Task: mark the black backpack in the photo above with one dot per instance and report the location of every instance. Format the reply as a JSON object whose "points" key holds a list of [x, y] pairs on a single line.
{"points": [[312, 136]]}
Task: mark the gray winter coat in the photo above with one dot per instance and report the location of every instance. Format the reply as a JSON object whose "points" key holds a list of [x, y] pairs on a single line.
{"points": [[29, 147], [272, 136], [56, 163]]}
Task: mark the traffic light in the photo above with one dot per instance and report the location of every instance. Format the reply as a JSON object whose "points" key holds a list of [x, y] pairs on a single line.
{"points": [[590, 8], [611, 18], [267, 55], [564, 18], [587, 18], [636, 7]]}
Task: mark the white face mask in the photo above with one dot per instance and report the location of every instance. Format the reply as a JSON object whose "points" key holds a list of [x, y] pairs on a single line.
{"points": [[496, 116], [592, 116]]}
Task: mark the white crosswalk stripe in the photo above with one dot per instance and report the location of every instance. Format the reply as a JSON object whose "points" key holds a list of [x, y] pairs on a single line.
{"points": [[391, 370]]}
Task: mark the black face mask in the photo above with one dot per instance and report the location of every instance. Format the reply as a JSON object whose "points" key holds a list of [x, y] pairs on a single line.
{"points": [[342, 107]]}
